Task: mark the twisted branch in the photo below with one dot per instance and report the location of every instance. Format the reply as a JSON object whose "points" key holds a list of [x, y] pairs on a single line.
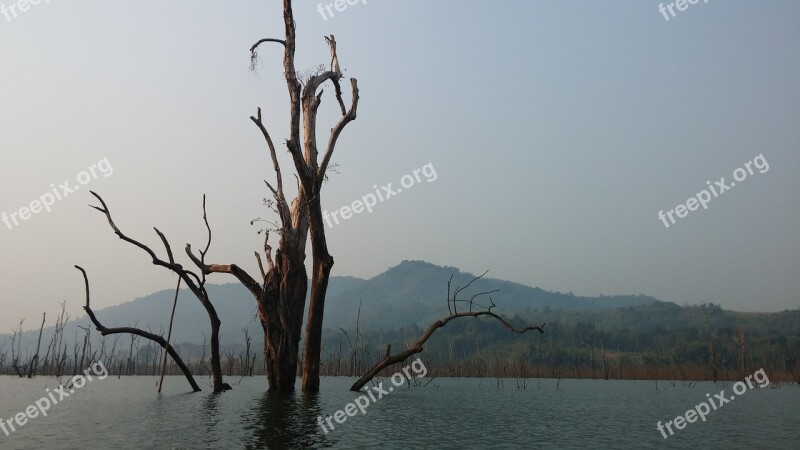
{"points": [[418, 346], [135, 331]]}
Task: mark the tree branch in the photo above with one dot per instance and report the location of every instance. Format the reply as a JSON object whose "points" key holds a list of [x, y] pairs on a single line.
{"points": [[242, 275], [135, 331], [261, 41], [188, 277], [418, 346], [280, 198], [337, 130], [260, 266]]}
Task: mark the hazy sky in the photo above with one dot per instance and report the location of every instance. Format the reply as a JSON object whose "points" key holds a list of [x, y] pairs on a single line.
{"points": [[557, 129]]}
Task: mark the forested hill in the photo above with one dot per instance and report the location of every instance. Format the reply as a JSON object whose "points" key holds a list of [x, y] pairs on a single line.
{"points": [[414, 292], [398, 304], [411, 293]]}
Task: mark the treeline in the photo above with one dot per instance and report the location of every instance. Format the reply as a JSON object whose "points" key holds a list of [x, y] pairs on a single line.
{"points": [[658, 341], [121, 354]]}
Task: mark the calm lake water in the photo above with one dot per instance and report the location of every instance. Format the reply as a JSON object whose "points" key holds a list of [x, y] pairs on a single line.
{"points": [[127, 413]]}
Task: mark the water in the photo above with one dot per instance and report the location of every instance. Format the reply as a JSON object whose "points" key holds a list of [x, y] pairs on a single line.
{"points": [[127, 413]]}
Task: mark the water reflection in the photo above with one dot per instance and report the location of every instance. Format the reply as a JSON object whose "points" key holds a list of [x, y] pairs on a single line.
{"points": [[286, 420], [210, 413]]}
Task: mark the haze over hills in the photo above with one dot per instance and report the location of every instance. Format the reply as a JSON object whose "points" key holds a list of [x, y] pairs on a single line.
{"points": [[415, 292], [411, 293], [396, 306]]}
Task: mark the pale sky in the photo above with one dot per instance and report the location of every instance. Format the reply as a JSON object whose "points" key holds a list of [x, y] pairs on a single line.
{"points": [[557, 129]]}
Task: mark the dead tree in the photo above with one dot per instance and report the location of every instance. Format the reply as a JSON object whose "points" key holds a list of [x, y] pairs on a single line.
{"points": [[196, 283], [15, 356], [281, 290], [245, 362], [55, 343], [169, 334], [474, 309], [33, 366], [86, 343], [739, 337], [130, 369], [712, 351], [592, 347], [135, 332], [355, 366]]}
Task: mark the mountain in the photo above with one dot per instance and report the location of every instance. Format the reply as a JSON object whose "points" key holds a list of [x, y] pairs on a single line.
{"points": [[415, 292], [411, 293]]}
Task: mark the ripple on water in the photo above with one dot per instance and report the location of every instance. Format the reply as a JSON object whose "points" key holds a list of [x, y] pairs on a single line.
{"points": [[448, 413]]}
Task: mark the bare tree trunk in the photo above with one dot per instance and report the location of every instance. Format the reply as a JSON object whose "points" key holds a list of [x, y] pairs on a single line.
{"points": [[247, 366], [34, 364], [319, 286], [130, 367], [281, 294], [713, 360], [169, 334], [740, 343], [312, 182], [86, 343], [286, 286], [16, 337], [58, 337]]}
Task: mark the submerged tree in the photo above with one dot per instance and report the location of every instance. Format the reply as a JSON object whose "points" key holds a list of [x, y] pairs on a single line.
{"points": [[281, 291], [137, 332], [470, 308], [195, 283]]}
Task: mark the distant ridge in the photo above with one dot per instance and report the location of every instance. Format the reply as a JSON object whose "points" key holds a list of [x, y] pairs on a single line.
{"points": [[414, 292], [411, 293]]}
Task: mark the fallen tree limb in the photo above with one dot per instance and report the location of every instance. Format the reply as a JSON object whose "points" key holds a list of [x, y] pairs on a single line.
{"points": [[135, 331], [417, 346]]}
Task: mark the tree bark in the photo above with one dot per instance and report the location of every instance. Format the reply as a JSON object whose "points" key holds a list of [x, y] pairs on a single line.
{"points": [[323, 262], [282, 336], [281, 294]]}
